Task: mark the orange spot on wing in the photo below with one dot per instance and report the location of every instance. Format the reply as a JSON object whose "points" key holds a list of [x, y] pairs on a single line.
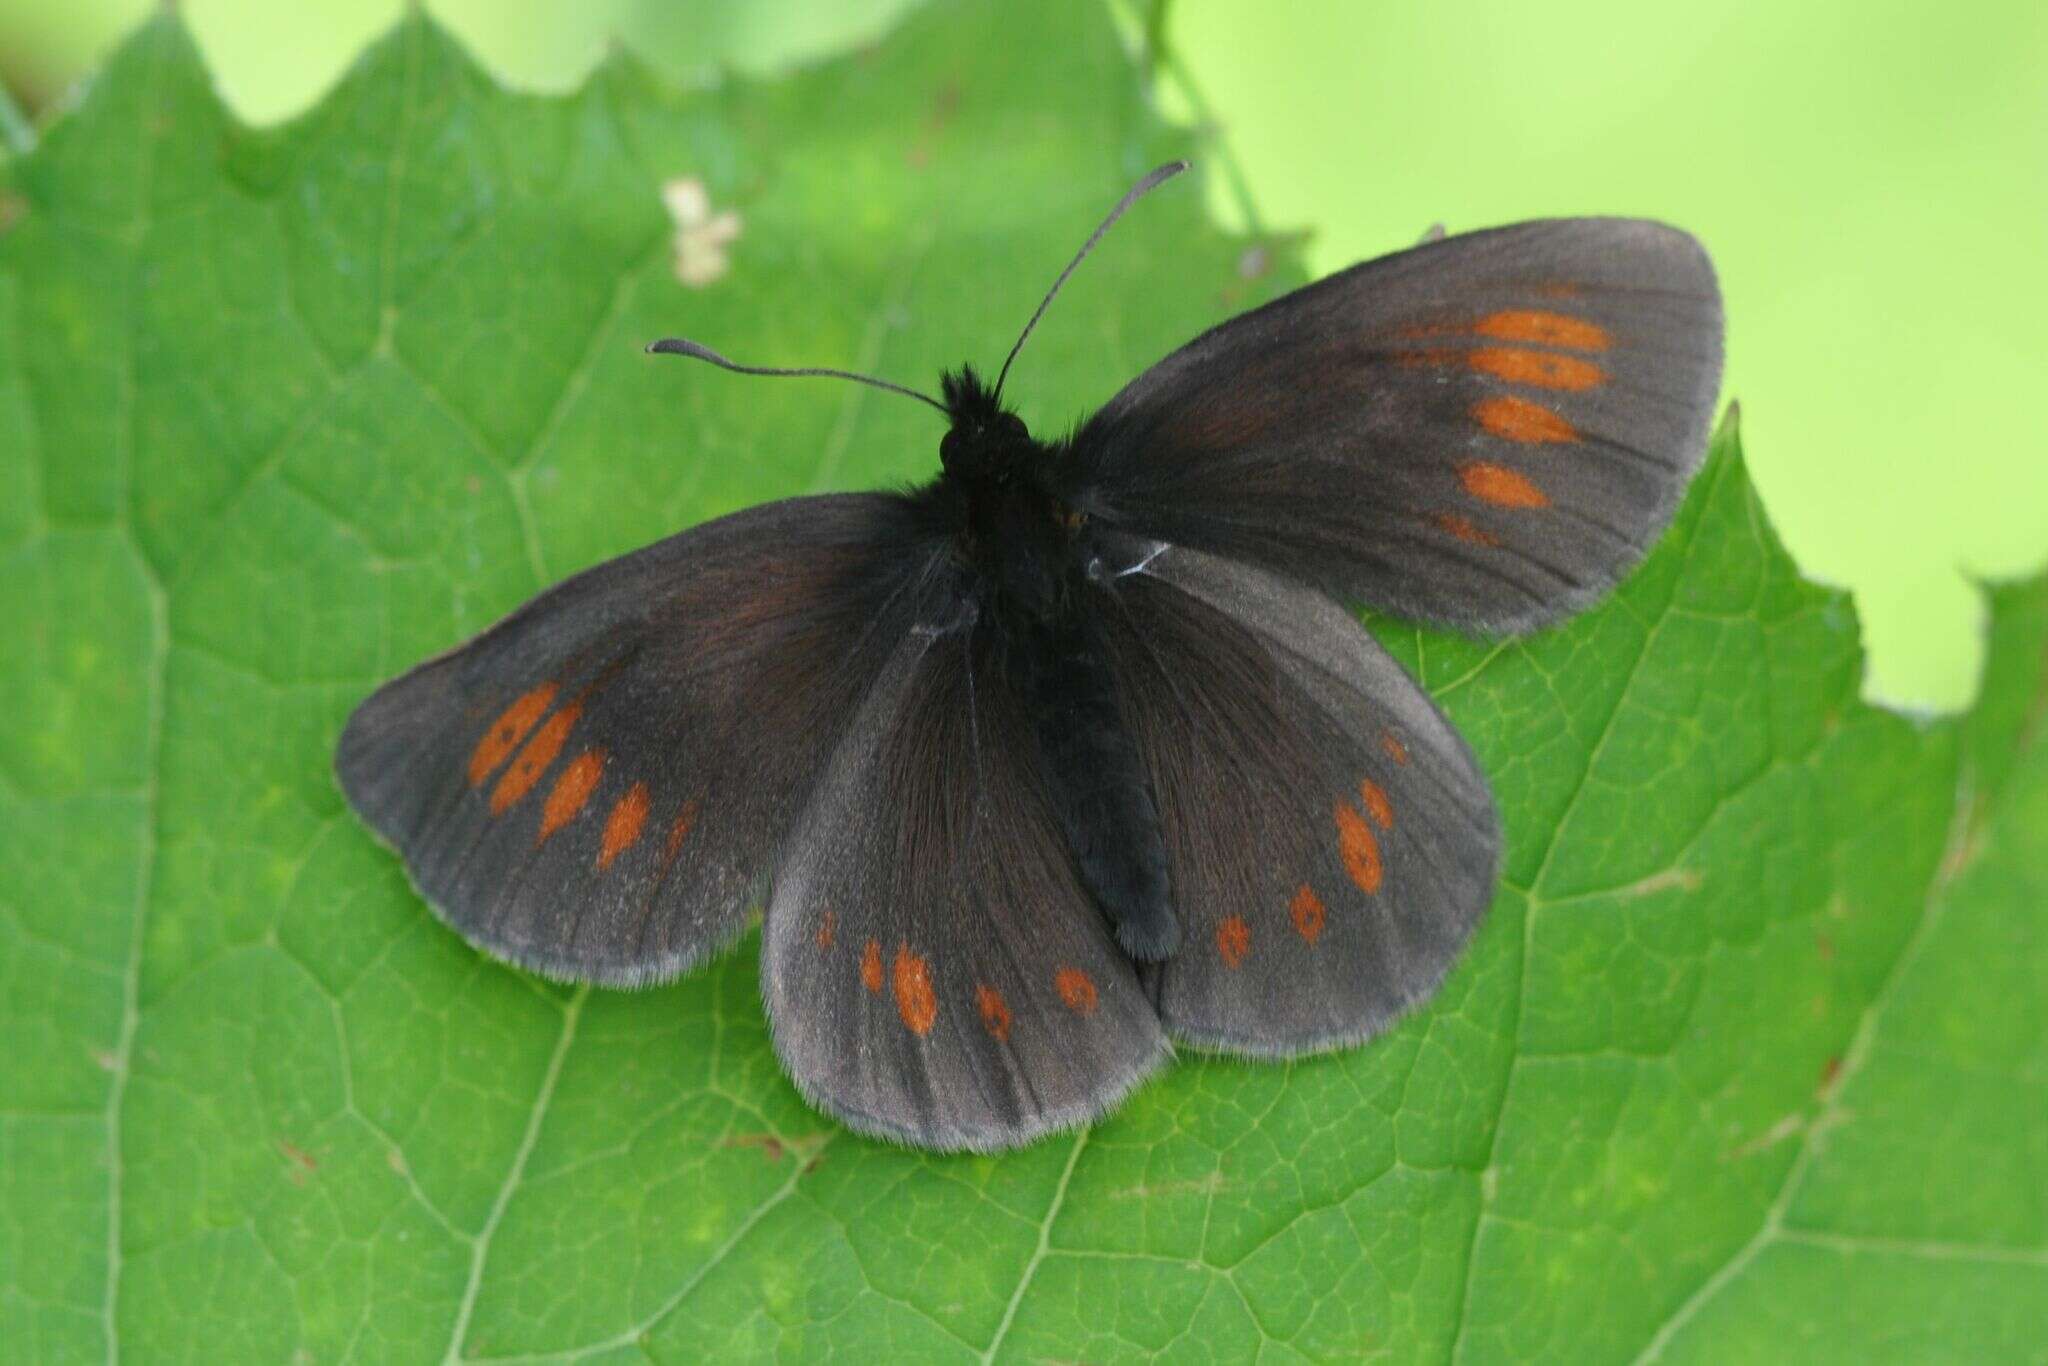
{"points": [[571, 792], [1233, 940], [1517, 419], [507, 731], [871, 966], [533, 758], [828, 927], [1077, 989], [1360, 851], [1376, 804], [622, 827], [995, 1012], [914, 999], [1464, 530], [1500, 486], [1396, 751], [1545, 328], [1542, 369], [679, 830], [1307, 912], [1432, 356]]}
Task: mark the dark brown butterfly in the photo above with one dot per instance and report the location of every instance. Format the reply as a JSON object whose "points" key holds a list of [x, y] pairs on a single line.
{"points": [[1071, 752]]}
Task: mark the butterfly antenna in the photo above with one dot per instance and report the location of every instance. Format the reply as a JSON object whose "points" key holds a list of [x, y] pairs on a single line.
{"points": [[681, 346], [1136, 193]]}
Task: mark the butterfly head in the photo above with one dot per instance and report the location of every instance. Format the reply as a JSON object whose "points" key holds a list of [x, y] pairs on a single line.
{"points": [[985, 443]]}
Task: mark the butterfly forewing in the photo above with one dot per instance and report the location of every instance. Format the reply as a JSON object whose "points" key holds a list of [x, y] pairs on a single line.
{"points": [[1332, 842], [594, 786], [934, 971], [1484, 430]]}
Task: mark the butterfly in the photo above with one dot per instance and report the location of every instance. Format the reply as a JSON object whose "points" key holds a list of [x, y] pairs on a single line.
{"points": [[1072, 753]]}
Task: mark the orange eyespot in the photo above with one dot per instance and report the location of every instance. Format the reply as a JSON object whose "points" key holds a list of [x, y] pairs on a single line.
{"points": [[1464, 530], [533, 758], [1077, 989], [871, 966], [571, 792], [1500, 486], [1307, 912], [828, 927], [914, 999], [1376, 804], [679, 830], [507, 731], [1539, 369], [1543, 328], [623, 826], [995, 1012], [1233, 941], [1396, 751], [1359, 850], [1517, 419]]}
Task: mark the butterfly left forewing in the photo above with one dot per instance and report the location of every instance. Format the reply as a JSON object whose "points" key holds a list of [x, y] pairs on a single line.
{"points": [[1332, 842], [933, 970]]}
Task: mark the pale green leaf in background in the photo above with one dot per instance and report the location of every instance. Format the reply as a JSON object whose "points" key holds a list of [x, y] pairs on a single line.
{"points": [[1868, 178]]}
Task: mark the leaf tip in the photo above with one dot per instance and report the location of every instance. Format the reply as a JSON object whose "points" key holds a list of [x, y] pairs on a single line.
{"points": [[1730, 426]]}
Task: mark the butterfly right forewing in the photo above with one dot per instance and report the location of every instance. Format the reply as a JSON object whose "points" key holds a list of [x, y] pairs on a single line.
{"points": [[1484, 430]]}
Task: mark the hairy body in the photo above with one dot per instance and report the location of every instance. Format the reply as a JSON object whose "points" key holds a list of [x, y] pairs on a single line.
{"points": [[1031, 559]]}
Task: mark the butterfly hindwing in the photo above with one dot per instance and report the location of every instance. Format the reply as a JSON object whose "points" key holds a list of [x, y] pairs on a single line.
{"points": [[933, 970], [1332, 842], [1484, 430], [593, 787]]}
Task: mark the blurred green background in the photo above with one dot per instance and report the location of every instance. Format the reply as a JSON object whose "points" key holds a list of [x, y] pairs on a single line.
{"points": [[1871, 177]]}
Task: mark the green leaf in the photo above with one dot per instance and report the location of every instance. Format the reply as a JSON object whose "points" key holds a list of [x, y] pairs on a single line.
{"points": [[1751, 1051]]}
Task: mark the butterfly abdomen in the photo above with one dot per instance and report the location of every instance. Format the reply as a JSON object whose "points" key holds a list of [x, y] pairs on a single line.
{"points": [[999, 493], [1096, 777]]}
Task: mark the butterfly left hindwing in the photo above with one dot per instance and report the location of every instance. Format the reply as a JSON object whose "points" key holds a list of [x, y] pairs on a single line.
{"points": [[1332, 842], [934, 971]]}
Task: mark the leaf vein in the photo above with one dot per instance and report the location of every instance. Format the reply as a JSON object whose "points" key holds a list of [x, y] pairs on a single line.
{"points": [[481, 1245]]}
